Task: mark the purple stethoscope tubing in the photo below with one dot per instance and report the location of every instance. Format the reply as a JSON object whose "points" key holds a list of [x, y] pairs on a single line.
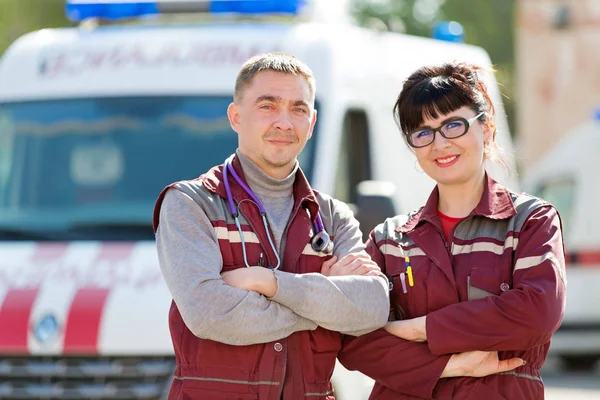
{"points": [[321, 241]]}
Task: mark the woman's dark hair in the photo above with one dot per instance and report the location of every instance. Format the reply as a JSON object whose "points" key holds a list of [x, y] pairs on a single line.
{"points": [[432, 91]]}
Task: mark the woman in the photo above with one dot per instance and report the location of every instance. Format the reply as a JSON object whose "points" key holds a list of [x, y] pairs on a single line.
{"points": [[478, 270]]}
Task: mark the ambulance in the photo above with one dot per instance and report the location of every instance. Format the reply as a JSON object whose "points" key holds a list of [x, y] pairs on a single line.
{"points": [[97, 118], [567, 176]]}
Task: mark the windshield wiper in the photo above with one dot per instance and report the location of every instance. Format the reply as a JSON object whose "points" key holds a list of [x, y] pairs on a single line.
{"points": [[137, 230], [7, 233]]}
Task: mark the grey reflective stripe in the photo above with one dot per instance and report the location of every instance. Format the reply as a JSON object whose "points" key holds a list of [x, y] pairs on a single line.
{"points": [[525, 205], [526, 376], [489, 228], [211, 203], [397, 251], [387, 230], [319, 394], [197, 378]]}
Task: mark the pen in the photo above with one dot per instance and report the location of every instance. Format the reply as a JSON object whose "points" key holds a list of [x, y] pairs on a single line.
{"points": [[403, 282], [409, 273]]}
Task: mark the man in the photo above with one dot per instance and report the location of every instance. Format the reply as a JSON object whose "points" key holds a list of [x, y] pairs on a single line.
{"points": [[240, 330]]}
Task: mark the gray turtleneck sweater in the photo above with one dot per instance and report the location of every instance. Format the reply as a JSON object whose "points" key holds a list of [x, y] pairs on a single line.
{"points": [[191, 263]]}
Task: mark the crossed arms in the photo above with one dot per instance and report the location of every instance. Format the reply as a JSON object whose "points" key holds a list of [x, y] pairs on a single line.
{"points": [[232, 310]]}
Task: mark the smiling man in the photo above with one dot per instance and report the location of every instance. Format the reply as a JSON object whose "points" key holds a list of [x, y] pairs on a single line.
{"points": [[261, 293]]}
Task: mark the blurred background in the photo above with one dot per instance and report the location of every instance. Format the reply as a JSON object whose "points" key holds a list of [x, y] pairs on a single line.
{"points": [[546, 54]]}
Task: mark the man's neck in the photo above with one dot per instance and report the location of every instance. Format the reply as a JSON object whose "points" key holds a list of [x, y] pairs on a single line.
{"points": [[264, 184]]}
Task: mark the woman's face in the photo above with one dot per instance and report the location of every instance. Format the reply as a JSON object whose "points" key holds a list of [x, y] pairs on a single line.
{"points": [[459, 160]]}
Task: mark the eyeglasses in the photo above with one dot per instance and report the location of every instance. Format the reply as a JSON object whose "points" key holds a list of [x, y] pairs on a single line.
{"points": [[450, 130]]}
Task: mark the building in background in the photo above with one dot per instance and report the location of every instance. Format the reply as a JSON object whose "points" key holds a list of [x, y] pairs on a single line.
{"points": [[558, 71]]}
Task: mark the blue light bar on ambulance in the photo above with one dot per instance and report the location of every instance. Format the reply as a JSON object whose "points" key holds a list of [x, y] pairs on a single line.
{"points": [[450, 31], [80, 10]]}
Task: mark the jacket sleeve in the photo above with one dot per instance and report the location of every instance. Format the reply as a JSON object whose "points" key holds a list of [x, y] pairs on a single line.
{"points": [[349, 304], [191, 263], [522, 317], [402, 366]]}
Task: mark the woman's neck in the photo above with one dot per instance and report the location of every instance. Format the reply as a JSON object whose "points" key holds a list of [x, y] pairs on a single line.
{"points": [[458, 200]]}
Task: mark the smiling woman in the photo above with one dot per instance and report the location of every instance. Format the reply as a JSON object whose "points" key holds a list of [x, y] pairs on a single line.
{"points": [[478, 267]]}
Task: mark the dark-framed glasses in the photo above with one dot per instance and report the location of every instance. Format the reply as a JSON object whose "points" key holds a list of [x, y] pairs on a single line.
{"points": [[452, 129]]}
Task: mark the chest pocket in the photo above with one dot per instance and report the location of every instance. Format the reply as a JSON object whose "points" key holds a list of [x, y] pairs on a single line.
{"points": [[408, 301], [485, 282]]}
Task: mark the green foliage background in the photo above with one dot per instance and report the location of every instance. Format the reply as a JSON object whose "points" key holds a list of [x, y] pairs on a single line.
{"points": [[487, 23]]}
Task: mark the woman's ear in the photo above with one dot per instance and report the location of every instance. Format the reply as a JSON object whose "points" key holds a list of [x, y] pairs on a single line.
{"points": [[489, 132]]}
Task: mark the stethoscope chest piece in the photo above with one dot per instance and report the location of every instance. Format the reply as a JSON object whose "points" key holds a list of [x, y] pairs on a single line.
{"points": [[322, 242]]}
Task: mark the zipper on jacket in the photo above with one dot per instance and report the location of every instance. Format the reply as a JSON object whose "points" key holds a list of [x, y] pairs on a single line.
{"points": [[285, 232], [285, 347], [451, 237]]}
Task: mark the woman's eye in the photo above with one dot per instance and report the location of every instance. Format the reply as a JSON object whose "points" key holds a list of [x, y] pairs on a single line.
{"points": [[454, 125]]}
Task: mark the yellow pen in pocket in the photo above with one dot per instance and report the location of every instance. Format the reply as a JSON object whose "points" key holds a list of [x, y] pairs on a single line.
{"points": [[409, 274]]}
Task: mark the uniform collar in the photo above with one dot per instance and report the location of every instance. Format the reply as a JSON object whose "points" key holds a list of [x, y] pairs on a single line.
{"points": [[304, 195], [495, 203]]}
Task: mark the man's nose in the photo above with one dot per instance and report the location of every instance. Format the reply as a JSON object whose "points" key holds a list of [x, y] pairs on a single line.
{"points": [[283, 120]]}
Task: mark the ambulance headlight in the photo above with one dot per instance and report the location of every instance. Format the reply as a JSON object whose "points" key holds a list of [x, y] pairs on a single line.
{"points": [[80, 10], [450, 31]]}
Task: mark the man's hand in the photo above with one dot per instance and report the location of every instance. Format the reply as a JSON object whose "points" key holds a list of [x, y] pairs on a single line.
{"points": [[414, 329], [478, 364], [351, 264], [256, 279]]}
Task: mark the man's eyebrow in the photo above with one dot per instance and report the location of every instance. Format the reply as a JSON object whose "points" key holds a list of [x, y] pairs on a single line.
{"points": [[278, 99], [301, 103], [268, 97]]}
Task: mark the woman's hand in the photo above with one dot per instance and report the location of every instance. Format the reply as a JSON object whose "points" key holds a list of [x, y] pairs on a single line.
{"points": [[414, 329], [351, 264], [478, 364], [256, 279]]}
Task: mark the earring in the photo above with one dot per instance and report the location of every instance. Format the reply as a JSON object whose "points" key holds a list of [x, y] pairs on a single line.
{"points": [[418, 167], [487, 150]]}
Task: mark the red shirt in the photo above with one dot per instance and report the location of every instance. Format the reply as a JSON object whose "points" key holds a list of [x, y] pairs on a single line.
{"points": [[447, 224]]}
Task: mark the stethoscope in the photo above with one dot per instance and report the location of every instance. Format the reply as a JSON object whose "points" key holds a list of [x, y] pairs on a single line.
{"points": [[320, 241]]}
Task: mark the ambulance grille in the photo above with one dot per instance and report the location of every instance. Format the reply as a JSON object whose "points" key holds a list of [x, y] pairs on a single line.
{"points": [[115, 378]]}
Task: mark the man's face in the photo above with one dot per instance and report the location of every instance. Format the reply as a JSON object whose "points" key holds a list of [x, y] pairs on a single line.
{"points": [[274, 118]]}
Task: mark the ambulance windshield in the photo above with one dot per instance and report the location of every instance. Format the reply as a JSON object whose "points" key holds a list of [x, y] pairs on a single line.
{"points": [[91, 169]]}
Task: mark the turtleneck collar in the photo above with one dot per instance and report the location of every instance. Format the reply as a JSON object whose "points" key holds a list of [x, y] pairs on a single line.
{"points": [[262, 184]]}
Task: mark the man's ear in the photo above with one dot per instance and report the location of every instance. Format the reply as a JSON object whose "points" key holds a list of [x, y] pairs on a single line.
{"points": [[234, 116]]}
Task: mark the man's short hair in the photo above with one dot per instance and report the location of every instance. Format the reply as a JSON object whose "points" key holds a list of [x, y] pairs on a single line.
{"points": [[274, 61]]}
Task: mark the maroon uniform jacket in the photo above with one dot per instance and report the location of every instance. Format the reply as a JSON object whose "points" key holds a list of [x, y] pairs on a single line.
{"points": [[497, 284], [305, 360]]}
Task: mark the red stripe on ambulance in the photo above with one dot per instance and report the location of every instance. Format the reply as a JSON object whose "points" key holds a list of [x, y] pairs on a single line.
{"points": [[115, 251], [585, 259], [15, 312], [49, 251], [83, 321]]}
